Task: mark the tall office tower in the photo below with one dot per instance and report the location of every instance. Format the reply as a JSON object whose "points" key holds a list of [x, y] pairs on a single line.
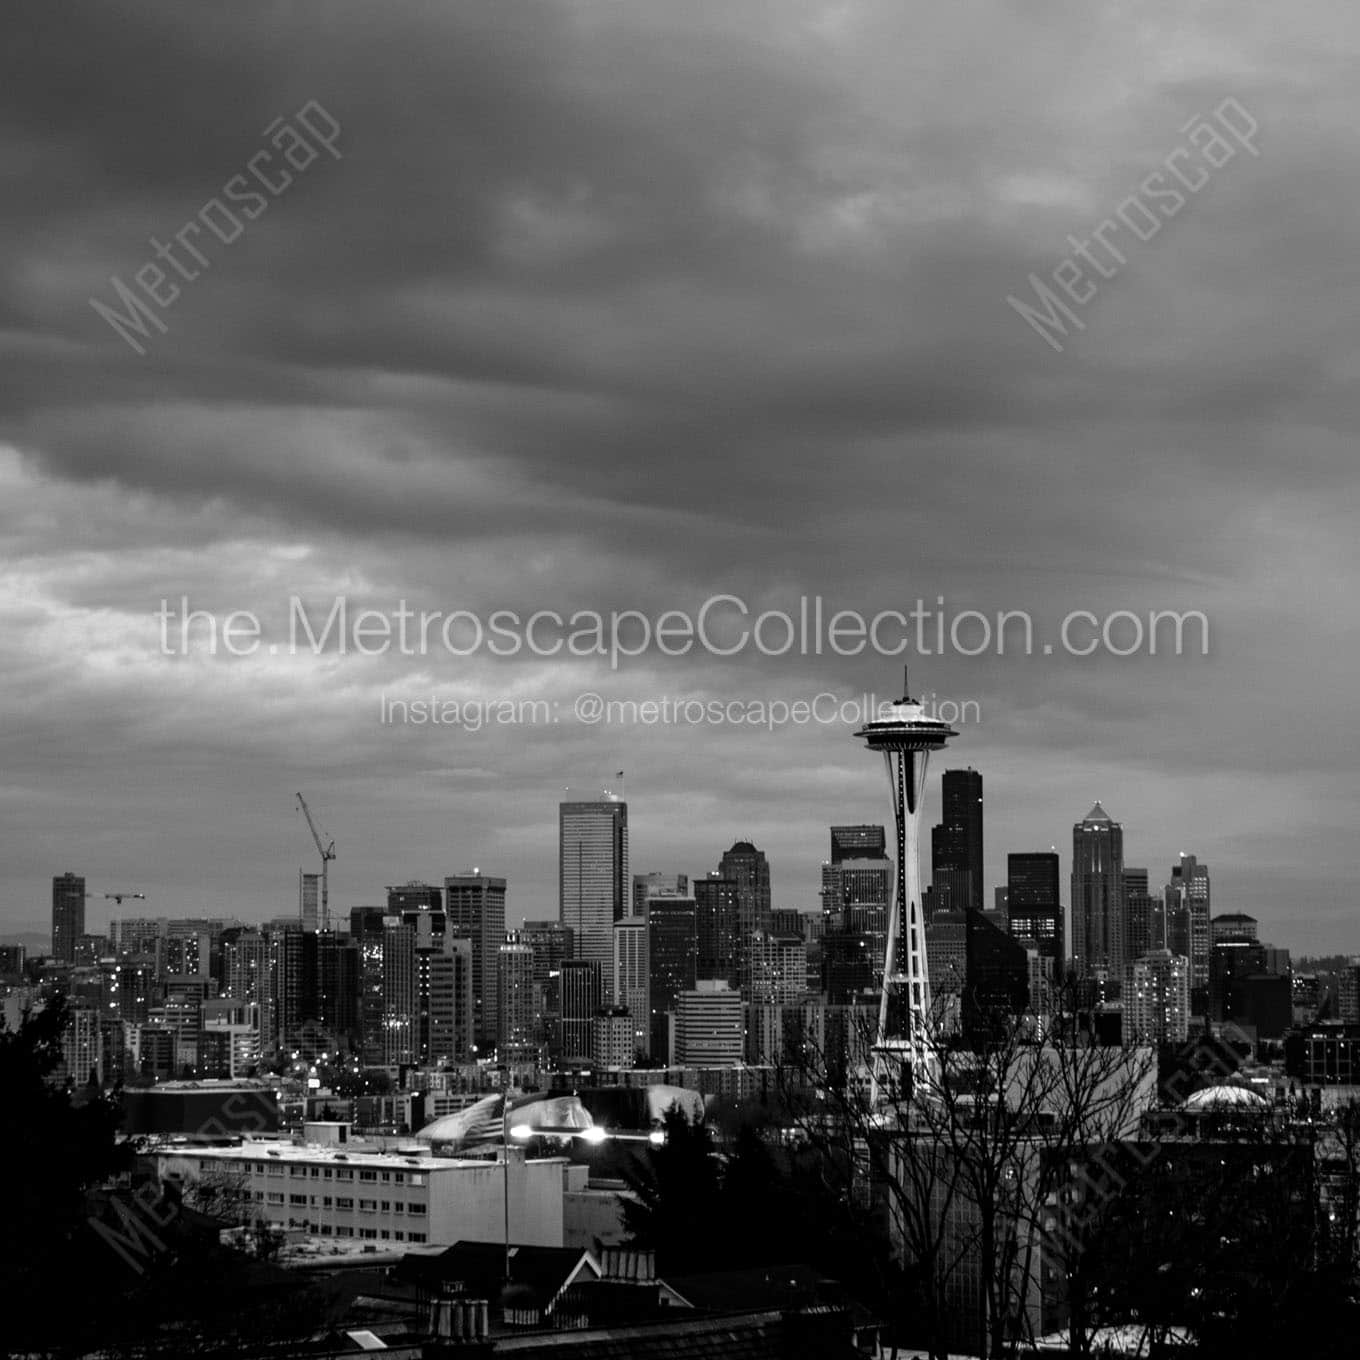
{"points": [[1143, 917], [672, 963], [778, 969], [903, 1051], [709, 1028], [247, 978], [593, 875], [1231, 963], [748, 868], [337, 987], [68, 915], [631, 981], [1098, 895], [1188, 907], [414, 896], [367, 926], [580, 1000], [857, 887], [956, 843], [847, 969], [553, 944], [647, 885], [443, 1030], [476, 911], [515, 1025], [1033, 907], [1157, 1010], [789, 921], [400, 1011], [717, 927], [309, 900], [996, 977]]}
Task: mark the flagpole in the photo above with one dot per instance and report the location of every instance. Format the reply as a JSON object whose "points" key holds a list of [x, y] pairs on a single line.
{"points": [[505, 1161]]}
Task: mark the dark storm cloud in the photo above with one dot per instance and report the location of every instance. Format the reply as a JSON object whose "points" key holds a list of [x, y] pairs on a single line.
{"points": [[615, 306]]}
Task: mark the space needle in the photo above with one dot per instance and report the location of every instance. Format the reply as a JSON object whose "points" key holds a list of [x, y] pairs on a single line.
{"points": [[906, 736]]}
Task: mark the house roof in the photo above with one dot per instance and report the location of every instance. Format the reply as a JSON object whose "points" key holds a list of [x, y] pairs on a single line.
{"points": [[539, 1274]]}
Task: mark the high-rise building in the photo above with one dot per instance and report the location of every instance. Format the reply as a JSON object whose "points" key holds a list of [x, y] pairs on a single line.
{"points": [[856, 888], [444, 1023], [631, 988], [749, 870], [647, 885], [1233, 925], [1143, 917], [553, 944], [956, 842], [612, 1034], [717, 927], [414, 896], [366, 931], [400, 1006], [593, 874], [68, 915], [778, 969], [672, 959], [516, 1030], [580, 1000], [475, 905], [1098, 895], [996, 977], [309, 900], [1033, 905], [1157, 1009], [1231, 962], [1188, 906], [709, 1028]]}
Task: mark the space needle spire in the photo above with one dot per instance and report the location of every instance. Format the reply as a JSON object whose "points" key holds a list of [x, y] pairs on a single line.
{"points": [[903, 1047]]}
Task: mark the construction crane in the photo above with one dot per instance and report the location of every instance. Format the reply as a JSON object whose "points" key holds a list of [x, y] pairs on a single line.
{"points": [[327, 852]]}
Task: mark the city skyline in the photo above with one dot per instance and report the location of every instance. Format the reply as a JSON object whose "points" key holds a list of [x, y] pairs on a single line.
{"points": [[804, 897]]}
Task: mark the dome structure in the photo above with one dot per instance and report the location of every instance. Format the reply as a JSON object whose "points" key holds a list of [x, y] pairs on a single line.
{"points": [[1225, 1098]]}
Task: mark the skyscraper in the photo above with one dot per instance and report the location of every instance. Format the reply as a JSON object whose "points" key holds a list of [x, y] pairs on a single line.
{"points": [[367, 927], [593, 875], [956, 842], [1187, 915], [1143, 917], [856, 889], [1033, 906], [672, 956], [580, 1000], [515, 1029], [475, 905], [68, 915], [1098, 937], [717, 927], [749, 870], [632, 977]]}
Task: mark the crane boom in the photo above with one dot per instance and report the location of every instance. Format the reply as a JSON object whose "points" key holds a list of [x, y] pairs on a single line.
{"points": [[327, 852]]}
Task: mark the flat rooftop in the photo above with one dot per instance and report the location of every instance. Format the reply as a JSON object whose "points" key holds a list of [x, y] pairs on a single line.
{"points": [[320, 1154]]}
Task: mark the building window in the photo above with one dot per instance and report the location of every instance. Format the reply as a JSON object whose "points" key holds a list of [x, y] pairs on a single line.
{"points": [[386, 1205], [398, 1206], [344, 1232], [368, 1205], [399, 1236], [276, 1197], [415, 1208], [368, 1175], [297, 1199], [415, 1237], [344, 1203], [344, 1174]]}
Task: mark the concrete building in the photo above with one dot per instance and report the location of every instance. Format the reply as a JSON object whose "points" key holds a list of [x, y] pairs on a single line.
{"points": [[631, 982], [709, 1029], [515, 1029], [337, 1190], [581, 997], [1157, 1009], [612, 1037], [475, 908], [68, 915]]}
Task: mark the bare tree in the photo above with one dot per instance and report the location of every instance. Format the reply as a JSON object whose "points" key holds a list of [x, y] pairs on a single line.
{"points": [[969, 1153]]}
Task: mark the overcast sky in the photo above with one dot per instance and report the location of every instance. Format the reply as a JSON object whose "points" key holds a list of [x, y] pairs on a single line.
{"points": [[623, 305]]}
